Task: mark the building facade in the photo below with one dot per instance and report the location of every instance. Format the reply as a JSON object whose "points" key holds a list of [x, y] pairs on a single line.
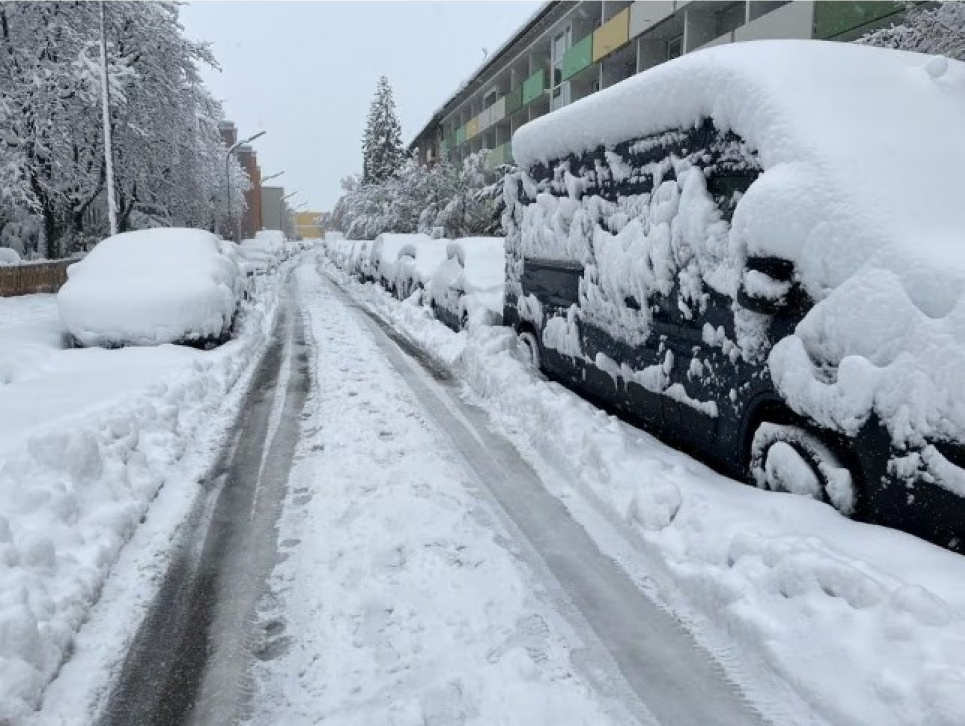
{"points": [[250, 220], [569, 50], [307, 225], [274, 210]]}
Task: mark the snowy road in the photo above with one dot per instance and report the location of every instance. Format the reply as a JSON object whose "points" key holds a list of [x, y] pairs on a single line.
{"points": [[423, 573]]}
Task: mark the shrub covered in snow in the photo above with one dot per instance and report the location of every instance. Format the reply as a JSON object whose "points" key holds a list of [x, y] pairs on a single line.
{"points": [[151, 287], [9, 256], [712, 191]]}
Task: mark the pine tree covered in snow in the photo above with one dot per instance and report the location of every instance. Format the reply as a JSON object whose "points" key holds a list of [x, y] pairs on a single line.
{"points": [[382, 150], [937, 29]]}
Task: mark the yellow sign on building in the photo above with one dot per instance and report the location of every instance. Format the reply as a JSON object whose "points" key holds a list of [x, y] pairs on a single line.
{"points": [[305, 226]]}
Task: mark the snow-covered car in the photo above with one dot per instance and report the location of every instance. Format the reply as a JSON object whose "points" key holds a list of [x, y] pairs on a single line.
{"points": [[416, 264], [259, 256], [738, 249], [151, 287], [468, 287], [360, 259], [385, 256]]}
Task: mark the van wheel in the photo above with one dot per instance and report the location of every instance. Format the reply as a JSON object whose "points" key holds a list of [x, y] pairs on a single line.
{"points": [[792, 459], [530, 348]]}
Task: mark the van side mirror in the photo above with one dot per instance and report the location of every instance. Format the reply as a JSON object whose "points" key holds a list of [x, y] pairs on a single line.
{"points": [[766, 285]]}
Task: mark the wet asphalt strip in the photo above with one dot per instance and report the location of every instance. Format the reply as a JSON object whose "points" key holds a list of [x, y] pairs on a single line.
{"points": [[677, 682], [188, 662]]}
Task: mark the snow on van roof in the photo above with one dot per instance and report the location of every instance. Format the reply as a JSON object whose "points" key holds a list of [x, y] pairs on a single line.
{"points": [[867, 128], [862, 157]]}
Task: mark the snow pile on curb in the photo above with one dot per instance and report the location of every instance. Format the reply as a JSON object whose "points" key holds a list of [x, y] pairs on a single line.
{"points": [[866, 624], [87, 440]]}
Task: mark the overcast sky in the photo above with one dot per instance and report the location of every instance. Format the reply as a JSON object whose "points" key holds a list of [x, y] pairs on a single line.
{"points": [[305, 72]]}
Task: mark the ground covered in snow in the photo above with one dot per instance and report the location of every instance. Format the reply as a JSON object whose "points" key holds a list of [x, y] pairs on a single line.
{"points": [[89, 439], [396, 600], [865, 624]]}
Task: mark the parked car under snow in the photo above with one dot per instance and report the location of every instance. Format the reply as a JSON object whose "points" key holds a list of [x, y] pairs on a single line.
{"points": [[417, 262], [739, 250], [151, 287], [467, 289], [384, 256]]}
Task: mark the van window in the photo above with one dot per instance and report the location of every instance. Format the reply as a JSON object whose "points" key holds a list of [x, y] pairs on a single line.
{"points": [[553, 282]]}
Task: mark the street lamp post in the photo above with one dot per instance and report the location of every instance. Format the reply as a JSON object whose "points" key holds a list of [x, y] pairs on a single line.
{"points": [[106, 118], [271, 176], [281, 209], [227, 174]]}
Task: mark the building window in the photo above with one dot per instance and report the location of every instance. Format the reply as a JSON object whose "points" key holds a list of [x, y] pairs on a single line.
{"points": [[489, 99], [729, 19], [559, 89], [675, 47]]}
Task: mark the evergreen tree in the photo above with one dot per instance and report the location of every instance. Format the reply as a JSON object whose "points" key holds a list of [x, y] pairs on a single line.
{"points": [[382, 150]]}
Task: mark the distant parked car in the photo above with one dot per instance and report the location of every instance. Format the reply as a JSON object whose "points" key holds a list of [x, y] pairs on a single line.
{"points": [[385, 256], [739, 250], [417, 262], [468, 286], [151, 287]]}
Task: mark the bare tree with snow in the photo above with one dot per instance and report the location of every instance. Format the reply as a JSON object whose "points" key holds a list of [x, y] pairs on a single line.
{"points": [[937, 29]]}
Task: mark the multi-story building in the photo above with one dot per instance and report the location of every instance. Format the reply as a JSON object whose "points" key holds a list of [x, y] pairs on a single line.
{"points": [[274, 210], [568, 50], [307, 226], [251, 217]]}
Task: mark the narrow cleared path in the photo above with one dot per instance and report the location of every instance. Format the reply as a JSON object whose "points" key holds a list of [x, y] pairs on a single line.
{"points": [[677, 681], [412, 515], [189, 659]]}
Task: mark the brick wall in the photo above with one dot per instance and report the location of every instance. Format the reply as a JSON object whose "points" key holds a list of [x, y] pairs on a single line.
{"points": [[33, 278]]}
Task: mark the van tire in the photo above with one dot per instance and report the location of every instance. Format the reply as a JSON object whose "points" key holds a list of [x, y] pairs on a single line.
{"points": [[793, 459], [531, 350]]}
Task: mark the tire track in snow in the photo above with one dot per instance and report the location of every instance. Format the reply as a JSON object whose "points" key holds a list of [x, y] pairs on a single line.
{"points": [[678, 681]]}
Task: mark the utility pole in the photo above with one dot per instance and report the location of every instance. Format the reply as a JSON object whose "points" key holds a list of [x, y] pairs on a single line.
{"points": [[106, 104]]}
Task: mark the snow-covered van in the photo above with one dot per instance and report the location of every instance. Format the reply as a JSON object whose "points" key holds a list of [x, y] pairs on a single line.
{"points": [[757, 251]]}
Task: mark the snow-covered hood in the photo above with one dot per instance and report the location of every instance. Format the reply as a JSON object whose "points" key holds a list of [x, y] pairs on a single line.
{"points": [[862, 153]]}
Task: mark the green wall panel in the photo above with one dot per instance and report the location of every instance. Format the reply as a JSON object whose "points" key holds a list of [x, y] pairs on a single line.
{"points": [[832, 19], [578, 57], [534, 87], [514, 100]]}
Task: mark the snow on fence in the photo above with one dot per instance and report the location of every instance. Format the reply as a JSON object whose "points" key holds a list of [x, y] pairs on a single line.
{"points": [[33, 277]]}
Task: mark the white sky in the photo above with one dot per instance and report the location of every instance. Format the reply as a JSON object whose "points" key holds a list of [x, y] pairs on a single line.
{"points": [[305, 72]]}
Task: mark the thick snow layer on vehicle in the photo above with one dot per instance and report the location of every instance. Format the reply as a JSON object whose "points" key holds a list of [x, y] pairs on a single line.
{"points": [[860, 190], [89, 438], [470, 283], [274, 238], [771, 582], [151, 287], [417, 263], [9, 256], [385, 253]]}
